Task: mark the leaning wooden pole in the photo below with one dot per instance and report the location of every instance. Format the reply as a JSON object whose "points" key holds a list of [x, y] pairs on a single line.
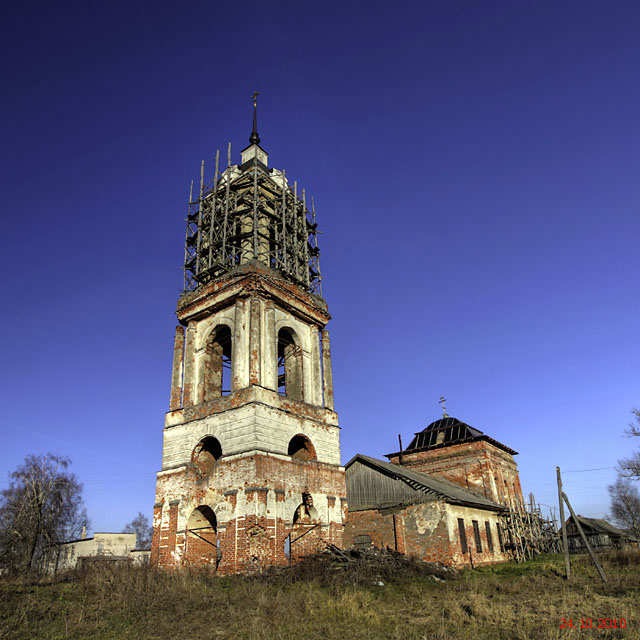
{"points": [[584, 539], [565, 543]]}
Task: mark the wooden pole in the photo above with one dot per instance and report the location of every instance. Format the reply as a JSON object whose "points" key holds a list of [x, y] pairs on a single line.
{"points": [[200, 207], [565, 543], [283, 238], [186, 246], [295, 229], [400, 458], [255, 211], [584, 539], [213, 207], [225, 254]]}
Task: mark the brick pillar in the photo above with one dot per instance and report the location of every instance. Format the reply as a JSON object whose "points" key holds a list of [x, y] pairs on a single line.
{"points": [[279, 530], [315, 396], [327, 375], [518, 486], [229, 541], [331, 509], [173, 528], [254, 342], [163, 536], [176, 372], [155, 540], [344, 508], [189, 367]]}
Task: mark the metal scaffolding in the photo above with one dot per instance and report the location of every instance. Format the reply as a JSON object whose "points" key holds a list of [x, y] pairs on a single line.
{"points": [[249, 213]]}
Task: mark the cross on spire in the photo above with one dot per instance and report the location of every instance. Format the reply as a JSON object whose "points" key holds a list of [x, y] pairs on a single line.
{"points": [[255, 138], [444, 409]]}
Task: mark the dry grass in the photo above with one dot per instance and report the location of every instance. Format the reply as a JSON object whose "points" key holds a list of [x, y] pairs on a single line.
{"points": [[499, 602]]}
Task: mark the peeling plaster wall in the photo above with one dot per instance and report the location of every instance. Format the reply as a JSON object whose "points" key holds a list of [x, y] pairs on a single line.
{"points": [[255, 305], [255, 488], [482, 517], [428, 531], [252, 426], [245, 492]]}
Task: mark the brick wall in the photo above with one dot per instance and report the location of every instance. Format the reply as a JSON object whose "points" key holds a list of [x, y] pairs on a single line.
{"points": [[478, 466], [254, 499], [428, 531]]}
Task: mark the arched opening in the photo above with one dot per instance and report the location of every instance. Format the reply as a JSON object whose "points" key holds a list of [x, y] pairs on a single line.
{"points": [[202, 537], [217, 364], [306, 531], [301, 448], [306, 513], [289, 366], [205, 455]]}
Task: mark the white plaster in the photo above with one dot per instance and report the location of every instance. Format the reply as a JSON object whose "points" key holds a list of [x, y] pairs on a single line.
{"points": [[240, 364], [316, 369]]}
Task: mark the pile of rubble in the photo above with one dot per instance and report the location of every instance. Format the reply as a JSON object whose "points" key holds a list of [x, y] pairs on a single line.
{"points": [[369, 566]]}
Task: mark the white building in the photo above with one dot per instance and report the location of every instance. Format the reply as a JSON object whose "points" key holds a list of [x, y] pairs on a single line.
{"points": [[103, 547]]}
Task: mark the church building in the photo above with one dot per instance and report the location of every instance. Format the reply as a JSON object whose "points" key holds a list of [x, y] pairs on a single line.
{"points": [[251, 473], [451, 449], [446, 498]]}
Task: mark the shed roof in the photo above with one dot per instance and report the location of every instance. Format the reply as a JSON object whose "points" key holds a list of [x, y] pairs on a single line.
{"points": [[448, 431], [424, 483], [601, 526]]}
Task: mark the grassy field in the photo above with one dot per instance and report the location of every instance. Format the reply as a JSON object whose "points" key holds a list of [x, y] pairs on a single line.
{"points": [[508, 601]]}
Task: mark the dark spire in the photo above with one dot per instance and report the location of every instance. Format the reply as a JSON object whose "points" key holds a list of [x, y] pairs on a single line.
{"points": [[255, 138]]}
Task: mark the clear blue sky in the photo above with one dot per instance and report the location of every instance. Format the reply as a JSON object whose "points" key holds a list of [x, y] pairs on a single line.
{"points": [[475, 171]]}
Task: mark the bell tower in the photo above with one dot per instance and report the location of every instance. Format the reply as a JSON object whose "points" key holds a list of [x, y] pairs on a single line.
{"points": [[251, 471]]}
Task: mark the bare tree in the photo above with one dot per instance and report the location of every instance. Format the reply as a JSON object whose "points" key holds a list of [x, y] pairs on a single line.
{"points": [[142, 528], [625, 505], [41, 508], [630, 467]]}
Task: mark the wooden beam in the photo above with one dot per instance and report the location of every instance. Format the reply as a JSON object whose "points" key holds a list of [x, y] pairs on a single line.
{"points": [[565, 543], [584, 539]]}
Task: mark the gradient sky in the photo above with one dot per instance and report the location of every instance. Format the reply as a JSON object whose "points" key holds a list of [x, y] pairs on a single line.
{"points": [[475, 171]]}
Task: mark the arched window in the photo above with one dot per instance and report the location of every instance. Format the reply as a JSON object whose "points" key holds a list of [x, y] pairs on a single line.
{"points": [[207, 452], [202, 537], [289, 366], [301, 448], [217, 364]]}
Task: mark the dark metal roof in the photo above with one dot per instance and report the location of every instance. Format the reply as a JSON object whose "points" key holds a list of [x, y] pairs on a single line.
{"points": [[422, 482], [448, 431]]}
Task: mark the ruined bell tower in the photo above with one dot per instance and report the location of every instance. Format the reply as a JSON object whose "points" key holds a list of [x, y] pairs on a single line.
{"points": [[251, 471]]}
